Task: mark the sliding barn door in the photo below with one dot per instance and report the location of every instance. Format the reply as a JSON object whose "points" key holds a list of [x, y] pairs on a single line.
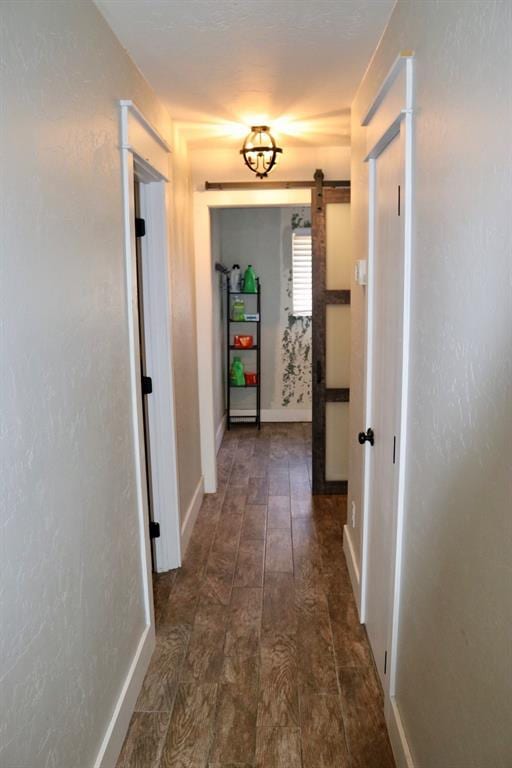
{"points": [[330, 212]]}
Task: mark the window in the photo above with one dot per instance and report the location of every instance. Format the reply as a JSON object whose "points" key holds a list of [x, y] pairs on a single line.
{"points": [[301, 273]]}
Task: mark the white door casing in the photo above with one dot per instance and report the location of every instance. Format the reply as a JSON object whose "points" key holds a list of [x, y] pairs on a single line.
{"points": [[203, 202], [145, 156], [390, 114]]}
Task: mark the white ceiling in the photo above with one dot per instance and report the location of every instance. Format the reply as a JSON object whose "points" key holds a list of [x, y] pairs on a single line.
{"points": [[222, 65]]}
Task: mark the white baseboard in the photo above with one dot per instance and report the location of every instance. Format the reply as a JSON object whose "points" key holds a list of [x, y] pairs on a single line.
{"points": [[118, 726], [353, 568], [278, 414], [191, 516], [286, 414], [220, 433], [401, 751]]}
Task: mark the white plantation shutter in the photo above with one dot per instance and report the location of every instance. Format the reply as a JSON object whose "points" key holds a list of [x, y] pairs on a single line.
{"points": [[301, 273]]}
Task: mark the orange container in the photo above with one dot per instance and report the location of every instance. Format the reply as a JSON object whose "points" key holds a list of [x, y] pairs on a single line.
{"points": [[251, 379], [243, 342]]}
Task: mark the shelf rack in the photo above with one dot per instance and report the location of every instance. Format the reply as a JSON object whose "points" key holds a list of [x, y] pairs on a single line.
{"points": [[250, 419]]}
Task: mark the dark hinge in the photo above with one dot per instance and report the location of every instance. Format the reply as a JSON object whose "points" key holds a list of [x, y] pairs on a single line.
{"points": [[154, 529], [385, 662], [318, 371], [140, 227], [399, 199], [394, 449], [147, 385]]}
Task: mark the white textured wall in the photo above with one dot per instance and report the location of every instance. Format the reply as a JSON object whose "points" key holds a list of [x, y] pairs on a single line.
{"points": [[184, 326], [71, 603], [455, 654]]}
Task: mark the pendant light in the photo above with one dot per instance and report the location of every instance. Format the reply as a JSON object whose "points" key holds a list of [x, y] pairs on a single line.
{"points": [[260, 151]]}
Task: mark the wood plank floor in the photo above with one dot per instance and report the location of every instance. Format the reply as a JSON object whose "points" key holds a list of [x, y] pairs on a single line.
{"points": [[260, 659]]}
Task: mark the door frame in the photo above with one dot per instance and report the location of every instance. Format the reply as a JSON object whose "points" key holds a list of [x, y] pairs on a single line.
{"points": [[204, 201], [145, 155], [391, 110]]}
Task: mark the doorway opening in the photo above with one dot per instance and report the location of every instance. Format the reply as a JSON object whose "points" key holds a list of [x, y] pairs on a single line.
{"points": [[265, 337], [288, 386]]}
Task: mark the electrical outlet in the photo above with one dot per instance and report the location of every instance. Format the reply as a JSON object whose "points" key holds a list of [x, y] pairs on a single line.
{"points": [[353, 514]]}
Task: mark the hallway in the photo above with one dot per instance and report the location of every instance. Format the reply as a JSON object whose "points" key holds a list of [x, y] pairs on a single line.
{"points": [[260, 659]]}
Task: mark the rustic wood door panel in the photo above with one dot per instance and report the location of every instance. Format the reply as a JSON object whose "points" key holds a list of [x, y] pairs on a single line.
{"points": [[331, 300]]}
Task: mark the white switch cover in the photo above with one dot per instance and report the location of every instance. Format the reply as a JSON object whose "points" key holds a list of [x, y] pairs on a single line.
{"points": [[361, 272], [353, 514]]}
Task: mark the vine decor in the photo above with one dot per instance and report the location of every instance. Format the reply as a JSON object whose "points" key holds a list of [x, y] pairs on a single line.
{"points": [[296, 339]]}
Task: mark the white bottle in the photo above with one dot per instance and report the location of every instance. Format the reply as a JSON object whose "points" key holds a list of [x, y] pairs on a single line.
{"points": [[234, 279]]}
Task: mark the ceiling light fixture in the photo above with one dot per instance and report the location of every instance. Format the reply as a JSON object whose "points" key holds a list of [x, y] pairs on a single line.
{"points": [[260, 151]]}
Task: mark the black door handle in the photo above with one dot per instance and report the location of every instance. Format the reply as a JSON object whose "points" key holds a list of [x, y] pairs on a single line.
{"points": [[366, 437]]}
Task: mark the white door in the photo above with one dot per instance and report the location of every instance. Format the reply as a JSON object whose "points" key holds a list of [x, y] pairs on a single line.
{"points": [[386, 372]]}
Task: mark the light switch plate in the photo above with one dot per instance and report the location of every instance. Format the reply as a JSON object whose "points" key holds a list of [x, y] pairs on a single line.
{"points": [[361, 272]]}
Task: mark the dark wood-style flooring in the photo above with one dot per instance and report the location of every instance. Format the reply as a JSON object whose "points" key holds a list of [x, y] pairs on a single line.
{"points": [[260, 660]]}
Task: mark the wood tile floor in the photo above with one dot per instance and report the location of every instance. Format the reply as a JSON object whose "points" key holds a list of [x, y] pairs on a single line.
{"points": [[260, 660]]}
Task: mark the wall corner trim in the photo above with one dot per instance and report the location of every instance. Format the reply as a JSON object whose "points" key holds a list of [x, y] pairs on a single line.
{"points": [[191, 516], [117, 728], [401, 751], [353, 567], [219, 435]]}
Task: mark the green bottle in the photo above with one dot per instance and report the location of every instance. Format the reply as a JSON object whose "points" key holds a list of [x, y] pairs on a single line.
{"points": [[237, 373], [249, 280], [238, 310]]}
